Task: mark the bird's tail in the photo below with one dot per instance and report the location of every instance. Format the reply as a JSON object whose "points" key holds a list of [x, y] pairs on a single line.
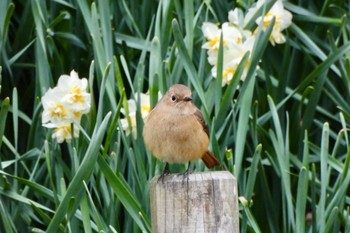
{"points": [[210, 160]]}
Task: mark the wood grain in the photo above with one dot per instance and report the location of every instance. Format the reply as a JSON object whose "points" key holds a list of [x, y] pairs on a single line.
{"points": [[206, 202]]}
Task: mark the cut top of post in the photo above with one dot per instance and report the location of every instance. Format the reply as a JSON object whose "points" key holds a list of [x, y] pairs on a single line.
{"points": [[205, 202]]}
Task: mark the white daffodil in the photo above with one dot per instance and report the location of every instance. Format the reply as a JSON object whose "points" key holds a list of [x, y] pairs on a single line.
{"points": [[233, 17], [213, 34], [145, 108], [232, 56], [76, 92], [55, 110], [236, 42], [64, 105], [228, 70], [236, 19], [283, 19], [63, 132]]}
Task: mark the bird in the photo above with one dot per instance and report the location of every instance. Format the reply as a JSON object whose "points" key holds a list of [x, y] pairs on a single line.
{"points": [[175, 131]]}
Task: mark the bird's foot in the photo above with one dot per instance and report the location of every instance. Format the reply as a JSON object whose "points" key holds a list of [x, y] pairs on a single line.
{"points": [[164, 173], [186, 174]]}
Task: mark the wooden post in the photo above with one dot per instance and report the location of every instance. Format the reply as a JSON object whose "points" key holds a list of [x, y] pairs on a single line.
{"points": [[207, 202]]}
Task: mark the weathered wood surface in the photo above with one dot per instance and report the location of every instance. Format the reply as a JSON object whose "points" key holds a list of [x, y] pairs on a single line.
{"points": [[206, 202]]}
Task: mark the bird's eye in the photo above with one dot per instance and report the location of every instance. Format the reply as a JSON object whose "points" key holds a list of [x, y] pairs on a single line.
{"points": [[173, 98]]}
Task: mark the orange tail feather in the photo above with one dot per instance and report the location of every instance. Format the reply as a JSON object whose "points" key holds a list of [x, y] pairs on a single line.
{"points": [[210, 160]]}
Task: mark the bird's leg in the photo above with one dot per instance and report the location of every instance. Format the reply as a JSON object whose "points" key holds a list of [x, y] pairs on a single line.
{"points": [[164, 173], [187, 172]]}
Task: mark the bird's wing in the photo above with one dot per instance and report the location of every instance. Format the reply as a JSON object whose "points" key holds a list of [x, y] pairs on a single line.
{"points": [[200, 119]]}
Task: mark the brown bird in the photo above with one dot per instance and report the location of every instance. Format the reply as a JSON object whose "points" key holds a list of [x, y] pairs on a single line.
{"points": [[175, 130]]}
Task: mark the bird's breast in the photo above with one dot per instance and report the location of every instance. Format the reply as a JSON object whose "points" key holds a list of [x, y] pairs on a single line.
{"points": [[175, 138]]}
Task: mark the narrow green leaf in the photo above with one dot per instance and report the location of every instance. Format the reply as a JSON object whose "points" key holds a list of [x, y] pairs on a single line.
{"points": [[321, 213], [113, 126], [243, 119], [301, 201], [155, 72], [101, 95], [251, 220], [331, 221], [130, 18], [15, 57], [306, 153], [84, 207], [219, 73], [3, 115], [9, 12], [0, 77], [43, 73], [163, 24], [127, 73], [313, 100], [189, 18], [73, 39], [132, 41], [15, 116], [347, 219], [96, 216], [304, 15], [107, 38], [318, 19], [313, 198], [99, 50], [252, 173]]}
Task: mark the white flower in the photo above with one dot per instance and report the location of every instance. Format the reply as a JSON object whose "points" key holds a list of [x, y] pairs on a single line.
{"points": [[283, 19], [236, 42], [232, 56], [76, 95], [233, 17], [63, 131], [131, 116], [212, 33], [54, 109], [145, 107], [64, 105]]}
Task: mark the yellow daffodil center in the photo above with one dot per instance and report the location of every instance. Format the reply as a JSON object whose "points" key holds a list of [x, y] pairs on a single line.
{"points": [[227, 72], [268, 17], [213, 41], [216, 40], [58, 111], [77, 94], [145, 108], [77, 115], [65, 129]]}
